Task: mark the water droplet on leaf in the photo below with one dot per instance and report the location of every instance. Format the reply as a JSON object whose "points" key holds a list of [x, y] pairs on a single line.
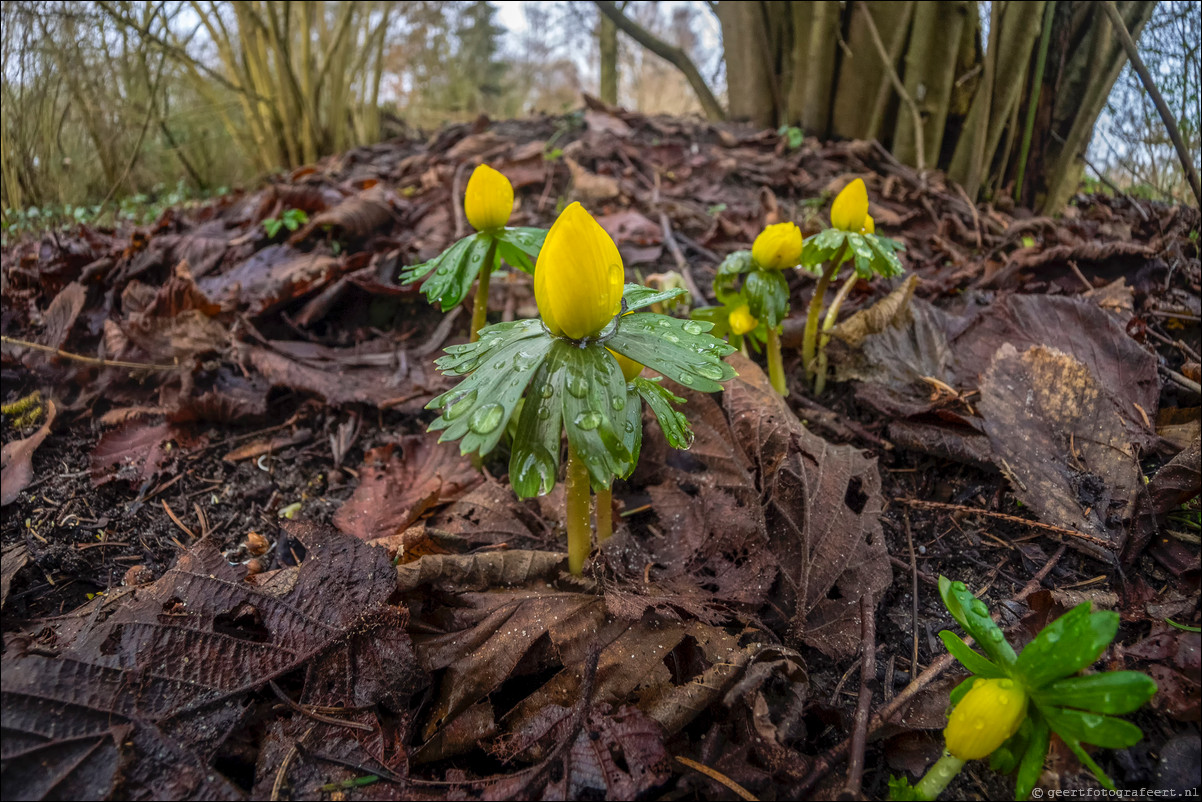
{"points": [[693, 327], [486, 419], [588, 420], [709, 370], [456, 408]]}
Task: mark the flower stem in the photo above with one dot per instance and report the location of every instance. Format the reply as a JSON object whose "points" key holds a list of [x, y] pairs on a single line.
{"points": [[605, 514], [480, 305], [828, 323], [577, 512], [809, 345], [938, 776], [776, 372]]}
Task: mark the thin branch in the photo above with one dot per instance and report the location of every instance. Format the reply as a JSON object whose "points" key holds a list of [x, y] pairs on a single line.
{"points": [[87, 360], [673, 55], [919, 145], [859, 737], [1145, 77]]}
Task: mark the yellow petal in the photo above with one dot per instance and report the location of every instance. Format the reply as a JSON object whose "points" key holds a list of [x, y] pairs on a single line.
{"points": [[489, 199], [578, 279], [630, 368], [850, 207], [986, 717], [741, 320], [777, 246], [869, 225]]}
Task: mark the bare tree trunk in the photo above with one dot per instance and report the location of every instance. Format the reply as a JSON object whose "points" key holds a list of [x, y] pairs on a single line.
{"points": [[607, 42], [930, 71]]}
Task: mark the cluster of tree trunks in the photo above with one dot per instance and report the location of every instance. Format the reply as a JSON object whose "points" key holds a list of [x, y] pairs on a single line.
{"points": [[934, 82]]}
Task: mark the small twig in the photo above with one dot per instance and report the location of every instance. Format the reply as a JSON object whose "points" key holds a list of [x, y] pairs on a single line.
{"points": [[717, 776], [457, 201], [171, 514], [88, 360], [1001, 516], [859, 735], [1137, 63], [278, 785], [337, 722], [913, 594], [899, 87], [686, 272], [1181, 381]]}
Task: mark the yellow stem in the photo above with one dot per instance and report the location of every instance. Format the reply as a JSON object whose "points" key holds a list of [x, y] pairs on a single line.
{"points": [[480, 306], [776, 371], [605, 514], [577, 512]]}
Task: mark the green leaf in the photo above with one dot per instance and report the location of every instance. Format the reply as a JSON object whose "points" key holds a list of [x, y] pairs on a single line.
{"points": [[885, 263], [972, 614], [1114, 692], [957, 693], [534, 460], [674, 425], [478, 409], [636, 296], [969, 658], [1031, 765], [632, 427], [822, 247], [463, 358], [679, 349], [594, 409], [1067, 645], [450, 275], [1075, 747], [768, 296], [1091, 728], [736, 263], [900, 790], [520, 246], [272, 226]]}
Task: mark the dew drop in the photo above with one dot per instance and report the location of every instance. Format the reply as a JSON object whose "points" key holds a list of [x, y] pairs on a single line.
{"points": [[959, 586], [442, 271], [456, 408], [693, 327], [544, 413], [629, 427], [1006, 684], [618, 402], [979, 607], [486, 419], [588, 420], [577, 385], [709, 370], [1051, 637], [672, 338], [663, 323], [546, 391], [996, 635], [498, 365], [685, 379]]}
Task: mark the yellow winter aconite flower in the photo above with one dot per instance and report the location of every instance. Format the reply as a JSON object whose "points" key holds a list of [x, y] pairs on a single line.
{"points": [[777, 246], [850, 207], [578, 279], [741, 320], [986, 717], [489, 199], [869, 225]]}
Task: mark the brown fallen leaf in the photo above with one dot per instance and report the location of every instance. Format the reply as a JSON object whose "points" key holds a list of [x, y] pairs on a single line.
{"points": [[396, 489], [1062, 443], [134, 451], [356, 216], [14, 557], [61, 314], [16, 460]]}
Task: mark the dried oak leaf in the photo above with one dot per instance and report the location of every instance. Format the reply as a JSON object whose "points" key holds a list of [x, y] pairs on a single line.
{"points": [[396, 489], [1061, 440], [16, 460], [822, 507], [135, 693]]}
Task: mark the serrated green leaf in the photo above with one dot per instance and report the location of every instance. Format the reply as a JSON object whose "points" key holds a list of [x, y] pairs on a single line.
{"points": [[449, 276], [674, 425], [594, 410], [1067, 645], [1114, 692], [679, 349], [736, 263], [1091, 728], [478, 409], [1031, 765], [520, 246], [636, 296], [767, 296], [632, 427], [534, 460], [464, 358], [822, 247], [968, 658], [900, 790], [972, 614]]}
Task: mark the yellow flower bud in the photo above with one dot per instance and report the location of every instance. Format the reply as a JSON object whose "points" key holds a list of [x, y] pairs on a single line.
{"points": [[630, 368], [489, 199], [850, 207], [869, 225], [986, 717], [777, 246], [741, 320], [579, 278]]}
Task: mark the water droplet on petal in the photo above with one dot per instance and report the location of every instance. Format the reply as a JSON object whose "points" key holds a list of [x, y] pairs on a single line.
{"points": [[486, 419], [588, 420]]}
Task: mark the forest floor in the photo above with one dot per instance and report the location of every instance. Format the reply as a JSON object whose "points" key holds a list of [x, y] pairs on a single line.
{"points": [[235, 565]]}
